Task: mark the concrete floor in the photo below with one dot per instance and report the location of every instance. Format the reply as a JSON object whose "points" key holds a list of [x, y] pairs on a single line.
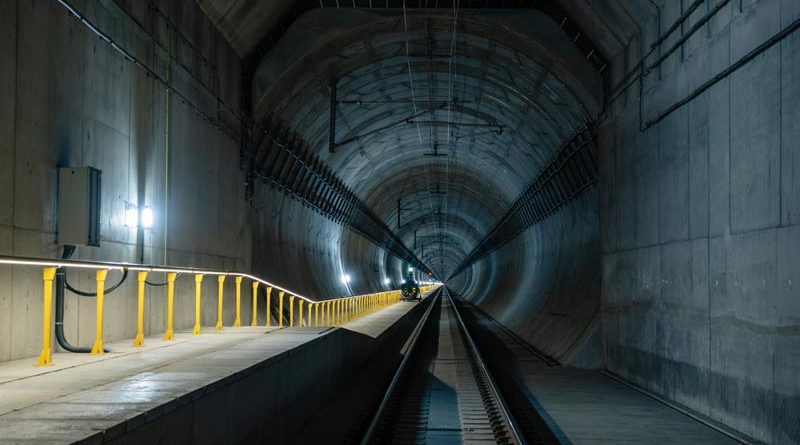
{"points": [[97, 399], [590, 408]]}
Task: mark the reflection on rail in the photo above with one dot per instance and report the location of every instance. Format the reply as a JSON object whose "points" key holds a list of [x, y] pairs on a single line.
{"points": [[442, 390]]}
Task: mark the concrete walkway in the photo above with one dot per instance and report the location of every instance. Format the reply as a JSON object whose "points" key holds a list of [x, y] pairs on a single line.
{"points": [[95, 399], [589, 408]]}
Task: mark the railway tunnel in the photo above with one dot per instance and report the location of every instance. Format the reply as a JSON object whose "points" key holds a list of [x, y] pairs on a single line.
{"points": [[598, 200]]}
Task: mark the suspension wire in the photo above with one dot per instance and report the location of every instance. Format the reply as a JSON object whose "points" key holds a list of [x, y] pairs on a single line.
{"points": [[414, 105], [452, 74]]}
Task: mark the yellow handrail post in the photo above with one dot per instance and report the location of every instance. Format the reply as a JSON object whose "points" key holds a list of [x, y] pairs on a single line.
{"points": [[139, 339], [46, 357], [309, 314], [238, 321], [254, 321], [328, 313], [170, 334], [280, 308], [198, 286], [269, 306], [316, 315], [291, 311], [300, 318], [100, 277], [220, 291]]}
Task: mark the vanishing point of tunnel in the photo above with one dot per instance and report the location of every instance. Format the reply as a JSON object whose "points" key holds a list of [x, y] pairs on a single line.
{"points": [[399, 221]]}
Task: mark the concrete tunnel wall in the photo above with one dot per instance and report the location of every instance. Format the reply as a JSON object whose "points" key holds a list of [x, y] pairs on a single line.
{"points": [[699, 217], [686, 248], [68, 99], [698, 235], [544, 285]]}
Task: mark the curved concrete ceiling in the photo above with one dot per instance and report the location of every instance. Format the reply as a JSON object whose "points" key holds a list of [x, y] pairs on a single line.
{"points": [[446, 117], [246, 23], [494, 100]]}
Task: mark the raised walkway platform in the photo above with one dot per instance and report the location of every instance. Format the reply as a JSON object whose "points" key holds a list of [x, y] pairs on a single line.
{"points": [[233, 386], [585, 406]]}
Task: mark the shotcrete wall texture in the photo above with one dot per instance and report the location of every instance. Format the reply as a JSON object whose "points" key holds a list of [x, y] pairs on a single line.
{"points": [[699, 217], [68, 99], [682, 258]]}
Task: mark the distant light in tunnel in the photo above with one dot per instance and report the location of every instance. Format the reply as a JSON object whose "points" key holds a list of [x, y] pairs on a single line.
{"points": [[147, 217], [345, 278], [411, 269]]}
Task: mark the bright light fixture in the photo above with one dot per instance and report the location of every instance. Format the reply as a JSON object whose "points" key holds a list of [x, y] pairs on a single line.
{"points": [[386, 281], [147, 217], [345, 278], [411, 269], [131, 215]]}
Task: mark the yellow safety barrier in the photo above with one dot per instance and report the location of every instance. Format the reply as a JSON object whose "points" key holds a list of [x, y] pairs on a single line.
{"points": [[280, 308], [46, 357], [254, 321], [269, 307], [331, 312], [139, 339], [100, 277], [238, 321], [198, 290], [220, 291], [300, 314], [291, 311], [171, 276]]}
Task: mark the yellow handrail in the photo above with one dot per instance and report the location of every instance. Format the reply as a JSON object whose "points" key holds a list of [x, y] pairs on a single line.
{"points": [[335, 311]]}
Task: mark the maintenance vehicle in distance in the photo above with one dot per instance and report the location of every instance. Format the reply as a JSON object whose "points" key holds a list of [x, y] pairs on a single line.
{"points": [[409, 291]]}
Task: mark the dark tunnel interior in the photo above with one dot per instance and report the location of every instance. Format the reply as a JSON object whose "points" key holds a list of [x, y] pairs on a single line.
{"points": [[614, 182], [439, 130]]}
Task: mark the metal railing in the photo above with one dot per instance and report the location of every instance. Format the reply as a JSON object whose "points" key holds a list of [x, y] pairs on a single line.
{"points": [[330, 312]]}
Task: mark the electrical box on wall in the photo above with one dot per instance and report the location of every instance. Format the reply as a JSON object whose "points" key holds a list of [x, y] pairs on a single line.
{"points": [[79, 206]]}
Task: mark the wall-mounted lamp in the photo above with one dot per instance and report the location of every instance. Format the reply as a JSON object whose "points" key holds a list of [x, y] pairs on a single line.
{"points": [[147, 217], [131, 215], [134, 217], [386, 281], [345, 278]]}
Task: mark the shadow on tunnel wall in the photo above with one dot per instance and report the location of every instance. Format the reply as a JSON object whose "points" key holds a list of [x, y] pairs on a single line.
{"points": [[545, 284], [309, 253]]}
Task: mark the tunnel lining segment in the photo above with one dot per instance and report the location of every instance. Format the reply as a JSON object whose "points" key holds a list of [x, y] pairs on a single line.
{"points": [[568, 174], [285, 160]]}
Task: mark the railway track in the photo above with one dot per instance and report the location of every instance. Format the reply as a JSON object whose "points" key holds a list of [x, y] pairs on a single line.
{"points": [[442, 392]]}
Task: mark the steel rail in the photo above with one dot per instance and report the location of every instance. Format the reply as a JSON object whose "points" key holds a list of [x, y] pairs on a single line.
{"points": [[501, 403], [408, 352]]}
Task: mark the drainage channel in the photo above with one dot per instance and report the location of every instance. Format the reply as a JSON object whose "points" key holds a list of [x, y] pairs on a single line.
{"points": [[442, 392]]}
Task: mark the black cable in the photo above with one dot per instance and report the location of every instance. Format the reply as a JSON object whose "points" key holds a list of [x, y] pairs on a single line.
{"points": [[59, 321], [150, 283], [94, 294]]}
